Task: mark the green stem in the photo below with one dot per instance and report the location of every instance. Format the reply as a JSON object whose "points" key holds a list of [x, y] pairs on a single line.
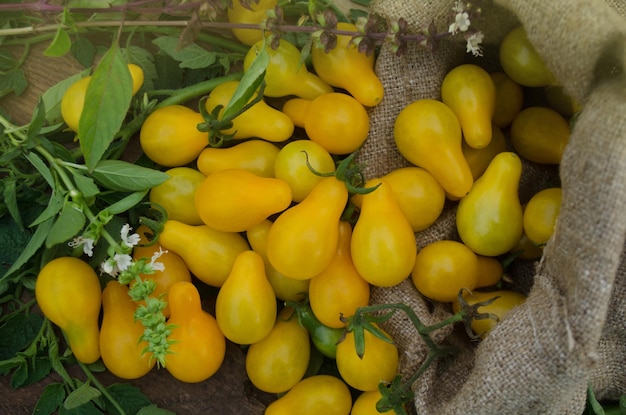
{"points": [[101, 388], [57, 165], [20, 310], [53, 354], [196, 90]]}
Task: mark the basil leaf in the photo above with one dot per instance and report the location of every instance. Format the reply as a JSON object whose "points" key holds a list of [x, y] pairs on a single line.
{"points": [[107, 100], [123, 176]]}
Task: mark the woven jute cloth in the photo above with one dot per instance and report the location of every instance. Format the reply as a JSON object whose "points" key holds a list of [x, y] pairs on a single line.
{"points": [[571, 331]]}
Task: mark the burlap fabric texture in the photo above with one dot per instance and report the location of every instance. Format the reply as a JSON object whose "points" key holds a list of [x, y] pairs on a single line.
{"points": [[572, 329]]}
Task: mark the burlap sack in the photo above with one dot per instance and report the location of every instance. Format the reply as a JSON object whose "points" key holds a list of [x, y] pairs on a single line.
{"points": [[572, 329]]}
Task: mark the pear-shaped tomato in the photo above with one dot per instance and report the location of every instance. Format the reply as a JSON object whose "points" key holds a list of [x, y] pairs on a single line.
{"points": [[293, 165], [479, 158], [541, 214], [315, 395], [246, 305], [419, 195], [378, 364], [443, 268], [489, 218], [285, 288], [68, 293], [303, 239], [255, 156], [254, 12], [279, 361], [122, 352], [470, 92], [428, 134], [177, 194], [344, 66], [337, 122], [170, 137], [174, 267], [505, 301], [285, 74], [198, 346], [383, 244], [209, 253], [234, 200], [509, 99], [260, 120], [339, 289], [490, 271], [521, 61], [540, 134]]}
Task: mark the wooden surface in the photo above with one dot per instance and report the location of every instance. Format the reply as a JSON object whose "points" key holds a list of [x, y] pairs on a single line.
{"points": [[228, 392]]}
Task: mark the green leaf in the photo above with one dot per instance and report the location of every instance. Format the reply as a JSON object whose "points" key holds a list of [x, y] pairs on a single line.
{"points": [[6, 158], [89, 408], [107, 100], [7, 61], [20, 375], [50, 399], [41, 167], [593, 405], [127, 202], [69, 224], [249, 84], [154, 410], [17, 333], [83, 394], [83, 51], [55, 203], [191, 56], [60, 45], [35, 242], [126, 177], [9, 194], [37, 120], [12, 81], [145, 60], [53, 96], [130, 398], [37, 369], [7, 365], [85, 185]]}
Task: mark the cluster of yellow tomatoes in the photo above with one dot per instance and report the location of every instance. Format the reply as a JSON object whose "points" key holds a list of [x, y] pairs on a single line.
{"points": [[262, 219]]}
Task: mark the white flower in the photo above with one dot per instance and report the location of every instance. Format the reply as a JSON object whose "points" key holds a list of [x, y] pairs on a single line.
{"points": [[458, 7], [129, 240], [119, 262], [87, 244], [109, 267], [157, 266], [473, 43], [123, 261], [461, 23]]}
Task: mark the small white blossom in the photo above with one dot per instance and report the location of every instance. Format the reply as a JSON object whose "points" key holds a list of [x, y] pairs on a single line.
{"points": [[157, 266], [123, 261], [458, 7], [116, 264], [473, 43], [87, 244], [129, 240], [109, 267], [461, 23]]}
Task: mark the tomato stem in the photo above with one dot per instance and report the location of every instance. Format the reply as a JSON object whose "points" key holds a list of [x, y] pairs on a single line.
{"points": [[101, 388]]}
